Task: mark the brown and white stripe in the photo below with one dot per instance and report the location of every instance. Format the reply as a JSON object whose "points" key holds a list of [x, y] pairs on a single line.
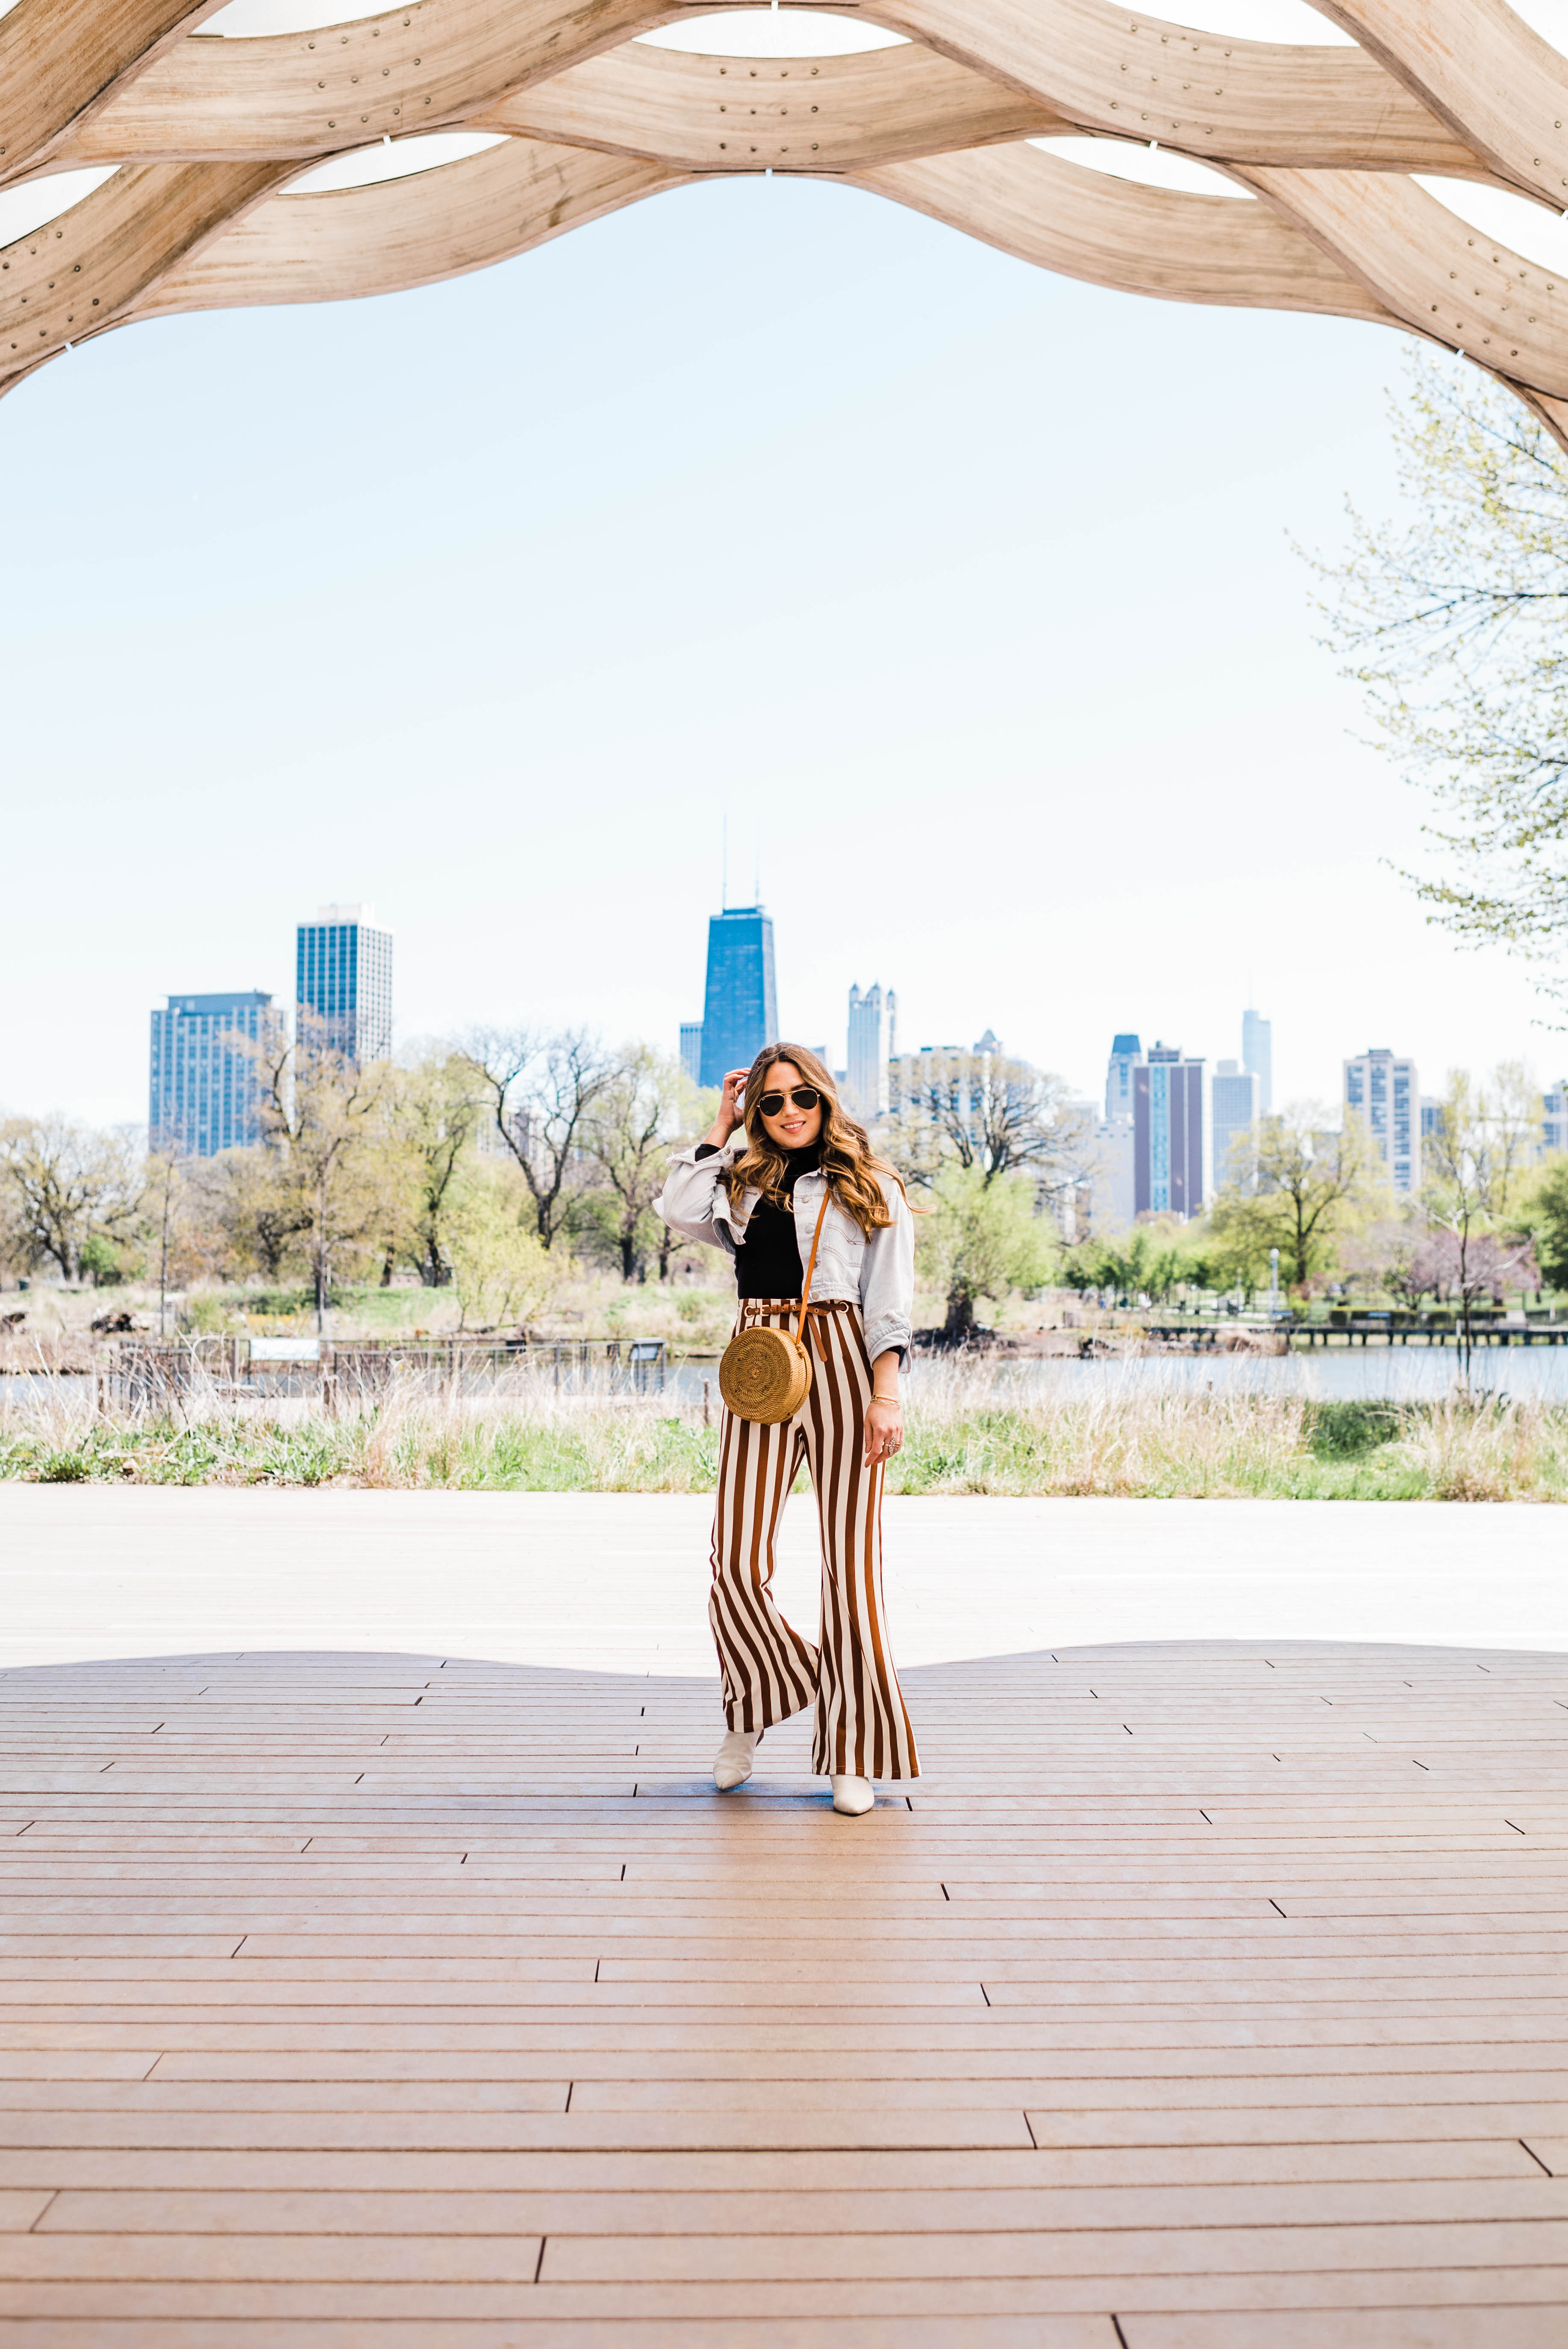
{"points": [[769, 1671]]}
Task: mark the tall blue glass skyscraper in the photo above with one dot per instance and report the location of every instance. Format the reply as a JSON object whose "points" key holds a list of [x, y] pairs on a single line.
{"points": [[740, 1010], [343, 983], [204, 1076]]}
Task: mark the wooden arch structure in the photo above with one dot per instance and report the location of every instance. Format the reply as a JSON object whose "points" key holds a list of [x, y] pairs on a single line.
{"points": [[204, 133]]}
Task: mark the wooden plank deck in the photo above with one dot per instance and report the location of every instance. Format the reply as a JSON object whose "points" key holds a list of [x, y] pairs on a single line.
{"points": [[1198, 1997]]}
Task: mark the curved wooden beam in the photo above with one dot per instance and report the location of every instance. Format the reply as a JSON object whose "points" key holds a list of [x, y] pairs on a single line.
{"points": [[436, 62], [91, 267], [1056, 214], [1432, 270], [1133, 76], [62, 61], [1085, 224], [422, 67], [207, 131], [1482, 70], [405, 233], [783, 114]]}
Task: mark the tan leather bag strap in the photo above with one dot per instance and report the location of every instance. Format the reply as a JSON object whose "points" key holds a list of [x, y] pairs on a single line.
{"points": [[811, 1267]]}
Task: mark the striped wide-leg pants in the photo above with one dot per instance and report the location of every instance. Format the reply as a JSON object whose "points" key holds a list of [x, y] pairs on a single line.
{"points": [[769, 1671]]}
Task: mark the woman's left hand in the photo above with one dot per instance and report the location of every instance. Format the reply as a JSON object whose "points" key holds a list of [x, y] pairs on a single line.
{"points": [[884, 1429]]}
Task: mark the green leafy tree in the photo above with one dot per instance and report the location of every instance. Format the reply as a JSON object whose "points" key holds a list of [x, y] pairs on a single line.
{"points": [[256, 1209], [1454, 626], [1313, 1183], [432, 1111], [501, 1269], [1546, 1215], [63, 1185], [325, 1116], [1150, 1260], [983, 1237], [1472, 1182]]}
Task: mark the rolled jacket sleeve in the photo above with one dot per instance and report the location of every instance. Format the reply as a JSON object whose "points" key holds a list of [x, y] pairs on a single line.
{"points": [[690, 1195], [887, 1278]]}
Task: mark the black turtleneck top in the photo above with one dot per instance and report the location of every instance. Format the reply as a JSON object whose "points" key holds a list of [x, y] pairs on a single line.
{"points": [[767, 1262]]}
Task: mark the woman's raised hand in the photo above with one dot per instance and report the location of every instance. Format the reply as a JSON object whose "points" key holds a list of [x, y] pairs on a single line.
{"points": [[731, 1099]]}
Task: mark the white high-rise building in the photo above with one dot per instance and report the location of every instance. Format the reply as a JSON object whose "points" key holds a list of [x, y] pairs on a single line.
{"points": [[1233, 1114], [1554, 1120], [1115, 1202], [1382, 1090], [873, 1035], [1257, 1056]]}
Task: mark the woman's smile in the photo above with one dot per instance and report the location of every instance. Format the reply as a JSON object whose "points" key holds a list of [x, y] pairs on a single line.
{"points": [[792, 1128]]}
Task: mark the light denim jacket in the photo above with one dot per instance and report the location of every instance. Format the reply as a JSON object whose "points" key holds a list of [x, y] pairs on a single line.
{"points": [[877, 1275]]}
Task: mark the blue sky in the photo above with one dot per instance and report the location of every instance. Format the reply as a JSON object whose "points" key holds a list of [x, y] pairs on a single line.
{"points": [[965, 592]]}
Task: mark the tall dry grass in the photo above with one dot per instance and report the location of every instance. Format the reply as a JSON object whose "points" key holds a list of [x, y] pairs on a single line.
{"points": [[969, 1429]]}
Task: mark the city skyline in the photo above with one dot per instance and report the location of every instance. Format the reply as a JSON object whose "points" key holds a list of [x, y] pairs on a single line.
{"points": [[1176, 1147], [542, 811]]}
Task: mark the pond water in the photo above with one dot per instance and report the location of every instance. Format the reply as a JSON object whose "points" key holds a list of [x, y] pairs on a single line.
{"points": [[1395, 1375]]}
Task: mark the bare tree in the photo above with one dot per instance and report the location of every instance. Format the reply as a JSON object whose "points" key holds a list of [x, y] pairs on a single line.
{"points": [[995, 1115], [628, 1136], [162, 1202], [66, 1185], [541, 1092]]}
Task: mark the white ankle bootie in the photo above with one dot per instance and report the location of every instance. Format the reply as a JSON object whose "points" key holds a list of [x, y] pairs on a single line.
{"points": [[732, 1762], [853, 1796]]}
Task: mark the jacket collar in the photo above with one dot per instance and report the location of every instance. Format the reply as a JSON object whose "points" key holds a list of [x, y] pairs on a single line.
{"points": [[735, 1214]]}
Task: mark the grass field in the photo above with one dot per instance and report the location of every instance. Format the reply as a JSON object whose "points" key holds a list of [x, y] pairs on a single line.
{"points": [[964, 1434]]}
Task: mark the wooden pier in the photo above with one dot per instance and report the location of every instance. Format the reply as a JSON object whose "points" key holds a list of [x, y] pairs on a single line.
{"points": [[1360, 1329], [419, 2000]]}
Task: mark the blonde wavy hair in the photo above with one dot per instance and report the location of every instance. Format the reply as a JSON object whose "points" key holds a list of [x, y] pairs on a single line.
{"points": [[849, 1162]]}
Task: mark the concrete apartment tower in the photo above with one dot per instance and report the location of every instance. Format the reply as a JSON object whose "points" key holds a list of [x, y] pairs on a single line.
{"points": [[203, 1082], [741, 1006], [1382, 1088], [1234, 1107], [871, 1045], [1115, 1189], [1169, 1134], [343, 982], [1257, 1058]]}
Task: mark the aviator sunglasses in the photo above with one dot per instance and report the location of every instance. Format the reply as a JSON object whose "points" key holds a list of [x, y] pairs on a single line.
{"points": [[803, 1097]]}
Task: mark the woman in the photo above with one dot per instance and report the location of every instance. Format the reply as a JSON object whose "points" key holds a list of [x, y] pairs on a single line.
{"points": [[780, 1143]]}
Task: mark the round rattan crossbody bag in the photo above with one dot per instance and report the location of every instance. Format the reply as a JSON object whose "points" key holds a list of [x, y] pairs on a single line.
{"points": [[765, 1374]]}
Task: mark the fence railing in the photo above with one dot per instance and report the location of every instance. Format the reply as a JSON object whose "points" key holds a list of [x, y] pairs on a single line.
{"points": [[144, 1374]]}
